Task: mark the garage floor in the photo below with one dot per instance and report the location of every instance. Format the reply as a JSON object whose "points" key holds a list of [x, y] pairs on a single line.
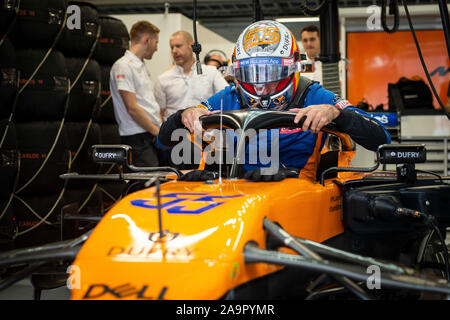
{"points": [[23, 290]]}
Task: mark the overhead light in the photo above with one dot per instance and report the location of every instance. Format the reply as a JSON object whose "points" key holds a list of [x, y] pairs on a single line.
{"points": [[308, 19]]}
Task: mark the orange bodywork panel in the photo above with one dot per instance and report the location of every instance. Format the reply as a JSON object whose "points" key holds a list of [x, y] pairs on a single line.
{"points": [[205, 228], [208, 225]]}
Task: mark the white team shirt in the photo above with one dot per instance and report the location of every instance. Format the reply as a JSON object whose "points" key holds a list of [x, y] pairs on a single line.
{"points": [[130, 74], [175, 90]]}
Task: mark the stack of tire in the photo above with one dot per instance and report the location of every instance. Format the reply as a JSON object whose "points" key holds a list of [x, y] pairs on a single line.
{"points": [[37, 114], [9, 156], [49, 116], [78, 44]]}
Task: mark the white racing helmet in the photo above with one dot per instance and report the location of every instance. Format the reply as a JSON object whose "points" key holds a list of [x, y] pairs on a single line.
{"points": [[266, 65]]}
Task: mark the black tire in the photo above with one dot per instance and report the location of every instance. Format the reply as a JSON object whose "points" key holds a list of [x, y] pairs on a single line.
{"points": [[84, 97], [8, 77], [43, 233], [9, 160], [45, 96], [88, 199], [106, 112], [87, 202], [35, 140], [11, 135], [8, 226], [110, 133], [83, 162], [79, 42], [111, 192], [38, 23], [7, 14], [114, 40]]}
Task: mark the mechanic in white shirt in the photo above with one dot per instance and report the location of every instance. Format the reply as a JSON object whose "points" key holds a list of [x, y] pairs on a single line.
{"points": [[311, 43], [135, 107], [180, 86]]}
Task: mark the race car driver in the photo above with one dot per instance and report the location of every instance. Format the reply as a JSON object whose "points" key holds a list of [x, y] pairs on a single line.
{"points": [[266, 69]]}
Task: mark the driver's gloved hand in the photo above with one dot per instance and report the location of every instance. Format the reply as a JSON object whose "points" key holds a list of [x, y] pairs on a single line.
{"points": [[282, 173], [199, 175]]}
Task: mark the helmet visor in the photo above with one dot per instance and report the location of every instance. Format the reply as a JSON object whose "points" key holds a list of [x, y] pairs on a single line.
{"points": [[263, 70]]}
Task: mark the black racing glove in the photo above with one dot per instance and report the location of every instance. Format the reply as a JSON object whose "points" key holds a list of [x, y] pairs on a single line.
{"points": [[199, 175], [282, 173]]}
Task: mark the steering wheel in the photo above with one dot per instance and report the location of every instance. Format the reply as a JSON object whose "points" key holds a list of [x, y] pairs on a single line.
{"points": [[245, 119]]}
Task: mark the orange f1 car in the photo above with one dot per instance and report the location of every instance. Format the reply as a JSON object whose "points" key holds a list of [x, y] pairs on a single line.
{"points": [[349, 233]]}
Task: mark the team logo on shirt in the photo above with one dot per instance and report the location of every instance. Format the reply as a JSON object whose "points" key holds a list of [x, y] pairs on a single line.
{"points": [[120, 76]]}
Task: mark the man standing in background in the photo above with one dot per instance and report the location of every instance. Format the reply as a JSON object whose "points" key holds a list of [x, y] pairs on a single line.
{"points": [[180, 86], [135, 107], [311, 43]]}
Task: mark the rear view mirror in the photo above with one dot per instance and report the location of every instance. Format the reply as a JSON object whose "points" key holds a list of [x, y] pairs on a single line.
{"points": [[118, 154], [397, 154], [121, 154]]}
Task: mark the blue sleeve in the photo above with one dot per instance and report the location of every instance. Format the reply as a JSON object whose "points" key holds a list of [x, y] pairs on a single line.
{"points": [[365, 130], [227, 97]]}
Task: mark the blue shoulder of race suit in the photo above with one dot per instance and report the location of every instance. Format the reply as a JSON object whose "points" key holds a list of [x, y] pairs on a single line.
{"points": [[228, 98]]}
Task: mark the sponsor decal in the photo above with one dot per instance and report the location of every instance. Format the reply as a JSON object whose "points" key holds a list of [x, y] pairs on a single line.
{"points": [[166, 236], [404, 155], [32, 156], [266, 35], [234, 270], [107, 41], [201, 106], [337, 98], [261, 61], [335, 203], [288, 62], [32, 82], [383, 119], [387, 119], [185, 203], [205, 105], [27, 223], [287, 130], [285, 47], [408, 154], [342, 104], [153, 252], [121, 291]]}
